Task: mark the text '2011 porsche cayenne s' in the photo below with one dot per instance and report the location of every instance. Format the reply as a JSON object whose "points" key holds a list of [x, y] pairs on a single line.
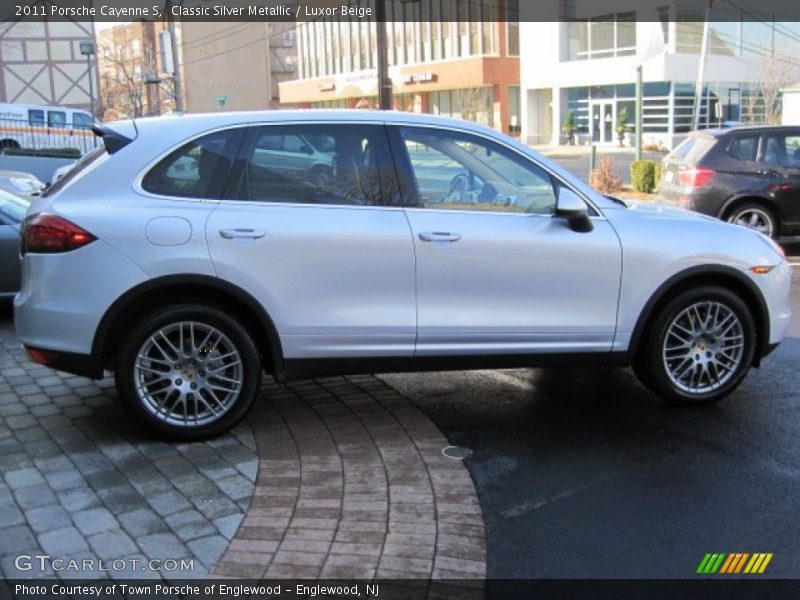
{"points": [[195, 252]]}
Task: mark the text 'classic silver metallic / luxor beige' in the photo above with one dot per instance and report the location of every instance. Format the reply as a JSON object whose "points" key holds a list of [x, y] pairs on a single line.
{"points": [[193, 253]]}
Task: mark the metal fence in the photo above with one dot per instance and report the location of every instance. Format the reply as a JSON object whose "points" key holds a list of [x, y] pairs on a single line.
{"points": [[25, 135]]}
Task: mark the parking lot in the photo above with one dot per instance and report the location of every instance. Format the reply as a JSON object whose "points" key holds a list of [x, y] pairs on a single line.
{"points": [[596, 479]]}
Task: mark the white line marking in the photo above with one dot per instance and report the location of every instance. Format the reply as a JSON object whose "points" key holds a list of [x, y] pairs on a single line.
{"points": [[508, 379]]}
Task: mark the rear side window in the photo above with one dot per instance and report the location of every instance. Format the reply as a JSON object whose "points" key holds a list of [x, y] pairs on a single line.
{"points": [[81, 121], [56, 118], [198, 169], [36, 117], [743, 148], [693, 148], [318, 164]]}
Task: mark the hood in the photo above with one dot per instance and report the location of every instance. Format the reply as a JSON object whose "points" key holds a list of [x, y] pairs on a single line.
{"points": [[656, 209]]}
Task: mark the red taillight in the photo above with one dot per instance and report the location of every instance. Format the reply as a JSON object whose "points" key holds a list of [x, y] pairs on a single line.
{"points": [[695, 178], [44, 232]]}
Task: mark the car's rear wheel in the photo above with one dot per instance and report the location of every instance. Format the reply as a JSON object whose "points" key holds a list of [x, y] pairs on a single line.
{"points": [[699, 346], [755, 216], [188, 371]]}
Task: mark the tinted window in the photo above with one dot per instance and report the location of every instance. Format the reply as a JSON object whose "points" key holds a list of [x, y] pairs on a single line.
{"points": [[198, 169], [454, 171], [36, 117], [317, 164], [693, 148], [56, 118], [744, 148], [782, 150]]}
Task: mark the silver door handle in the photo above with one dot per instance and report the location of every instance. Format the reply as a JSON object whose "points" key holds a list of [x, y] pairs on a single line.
{"points": [[439, 236], [252, 234]]}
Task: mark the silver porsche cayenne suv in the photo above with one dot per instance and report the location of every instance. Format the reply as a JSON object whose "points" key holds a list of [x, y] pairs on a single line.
{"points": [[193, 253]]}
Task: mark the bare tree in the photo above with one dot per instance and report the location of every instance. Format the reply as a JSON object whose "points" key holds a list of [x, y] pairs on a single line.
{"points": [[125, 82], [763, 102], [476, 104]]}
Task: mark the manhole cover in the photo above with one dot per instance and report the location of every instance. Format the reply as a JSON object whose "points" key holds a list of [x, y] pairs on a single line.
{"points": [[457, 452]]}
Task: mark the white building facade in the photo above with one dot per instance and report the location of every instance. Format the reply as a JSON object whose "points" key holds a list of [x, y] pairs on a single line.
{"points": [[588, 66]]}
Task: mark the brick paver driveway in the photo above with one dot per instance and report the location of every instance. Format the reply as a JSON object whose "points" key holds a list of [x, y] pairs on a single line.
{"points": [[333, 478]]}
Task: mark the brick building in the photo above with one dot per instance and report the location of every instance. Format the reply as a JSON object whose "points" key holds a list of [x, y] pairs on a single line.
{"points": [[449, 58]]}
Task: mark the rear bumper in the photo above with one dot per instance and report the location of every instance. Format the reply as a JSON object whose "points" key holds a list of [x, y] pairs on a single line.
{"points": [[64, 296], [704, 201], [69, 362]]}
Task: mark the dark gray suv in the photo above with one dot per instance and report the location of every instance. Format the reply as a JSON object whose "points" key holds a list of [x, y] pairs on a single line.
{"points": [[744, 175]]}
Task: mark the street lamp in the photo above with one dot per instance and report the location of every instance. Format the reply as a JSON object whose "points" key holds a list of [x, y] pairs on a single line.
{"points": [[87, 49]]}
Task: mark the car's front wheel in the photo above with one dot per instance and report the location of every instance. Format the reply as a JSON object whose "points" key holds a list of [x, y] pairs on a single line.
{"points": [[699, 346], [188, 371]]}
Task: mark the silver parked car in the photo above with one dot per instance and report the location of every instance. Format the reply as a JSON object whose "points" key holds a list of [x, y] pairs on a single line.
{"points": [[20, 184], [431, 244]]}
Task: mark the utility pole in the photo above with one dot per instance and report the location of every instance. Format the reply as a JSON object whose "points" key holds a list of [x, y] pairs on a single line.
{"points": [[638, 124], [698, 88], [176, 62], [384, 83]]}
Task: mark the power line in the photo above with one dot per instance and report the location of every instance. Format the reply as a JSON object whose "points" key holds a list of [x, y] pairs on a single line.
{"points": [[761, 18]]}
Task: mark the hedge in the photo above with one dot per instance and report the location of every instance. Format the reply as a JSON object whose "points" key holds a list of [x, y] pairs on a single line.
{"points": [[659, 170], [48, 152], [645, 175]]}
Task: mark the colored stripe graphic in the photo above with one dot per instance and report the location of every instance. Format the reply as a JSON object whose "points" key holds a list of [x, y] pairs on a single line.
{"points": [[758, 563], [734, 562], [711, 563]]}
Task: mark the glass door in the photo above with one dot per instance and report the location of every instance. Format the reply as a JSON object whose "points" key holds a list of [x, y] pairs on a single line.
{"points": [[603, 122]]}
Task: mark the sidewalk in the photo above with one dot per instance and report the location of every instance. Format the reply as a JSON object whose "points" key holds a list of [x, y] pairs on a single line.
{"points": [[337, 478]]}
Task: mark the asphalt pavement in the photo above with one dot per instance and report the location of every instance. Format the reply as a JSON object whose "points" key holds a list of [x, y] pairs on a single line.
{"points": [[582, 473]]}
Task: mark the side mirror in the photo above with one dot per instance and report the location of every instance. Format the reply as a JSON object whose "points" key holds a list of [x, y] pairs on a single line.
{"points": [[573, 209]]}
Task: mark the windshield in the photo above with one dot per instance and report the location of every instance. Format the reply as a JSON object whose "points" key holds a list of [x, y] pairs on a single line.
{"points": [[79, 167], [12, 207]]}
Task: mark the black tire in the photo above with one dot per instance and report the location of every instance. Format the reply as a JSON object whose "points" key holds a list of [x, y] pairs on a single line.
{"points": [[652, 363], [8, 144], [764, 217], [208, 421]]}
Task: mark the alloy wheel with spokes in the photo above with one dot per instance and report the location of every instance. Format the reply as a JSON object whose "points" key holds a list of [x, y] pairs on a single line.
{"points": [[188, 374], [703, 347], [698, 345], [190, 371], [754, 217]]}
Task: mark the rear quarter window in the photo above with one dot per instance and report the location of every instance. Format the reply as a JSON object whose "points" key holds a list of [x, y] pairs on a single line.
{"points": [[198, 169], [693, 148]]}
